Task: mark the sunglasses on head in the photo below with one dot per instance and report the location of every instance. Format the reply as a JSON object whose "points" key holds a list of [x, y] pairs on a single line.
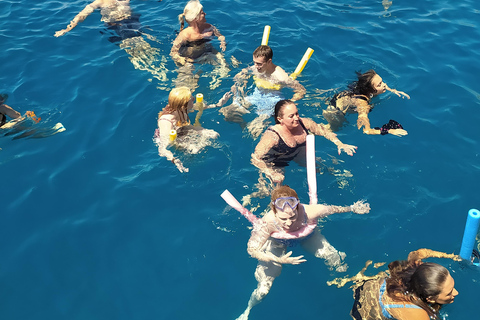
{"points": [[281, 202]]}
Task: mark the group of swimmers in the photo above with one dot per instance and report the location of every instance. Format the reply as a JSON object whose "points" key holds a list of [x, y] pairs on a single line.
{"points": [[411, 290]]}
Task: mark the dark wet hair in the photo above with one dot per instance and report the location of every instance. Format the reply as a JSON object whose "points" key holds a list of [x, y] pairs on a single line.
{"points": [[417, 281], [363, 85], [264, 52], [279, 109], [3, 98]]}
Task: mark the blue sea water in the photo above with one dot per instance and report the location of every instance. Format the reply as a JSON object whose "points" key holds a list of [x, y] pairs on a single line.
{"points": [[95, 225]]}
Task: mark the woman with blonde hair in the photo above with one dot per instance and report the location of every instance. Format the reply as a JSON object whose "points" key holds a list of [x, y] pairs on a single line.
{"points": [[193, 43], [173, 120]]}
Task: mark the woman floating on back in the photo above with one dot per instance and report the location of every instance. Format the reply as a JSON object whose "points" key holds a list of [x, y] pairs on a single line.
{"points": [[357, 99]]}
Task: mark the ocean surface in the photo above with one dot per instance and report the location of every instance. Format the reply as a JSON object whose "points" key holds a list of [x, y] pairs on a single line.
{"points": [[95, 225]]}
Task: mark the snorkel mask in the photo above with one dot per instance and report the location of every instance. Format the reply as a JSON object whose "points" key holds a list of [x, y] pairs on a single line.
{"points": [[281, 202]]}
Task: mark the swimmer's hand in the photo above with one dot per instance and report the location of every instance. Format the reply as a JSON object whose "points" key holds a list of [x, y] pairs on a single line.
{"points": [[179, 165], [223, 44], [347, 148], [60, 33], [401, 94], [398, 132], [182, 60], [286, 259], [360, 207], [224, 99]]}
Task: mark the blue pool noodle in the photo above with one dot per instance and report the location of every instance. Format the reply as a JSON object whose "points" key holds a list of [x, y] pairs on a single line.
{"points": [[471, 229]]}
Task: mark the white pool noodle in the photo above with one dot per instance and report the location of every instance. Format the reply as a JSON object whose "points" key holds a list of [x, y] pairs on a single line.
{"points": [[311, 171]]}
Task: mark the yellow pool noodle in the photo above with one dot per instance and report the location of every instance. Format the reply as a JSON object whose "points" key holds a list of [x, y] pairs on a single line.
{"points": [[302, 63], [266, 34]]}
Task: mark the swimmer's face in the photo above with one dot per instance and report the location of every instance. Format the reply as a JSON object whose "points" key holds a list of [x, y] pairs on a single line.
{"points": [[378, 84], [448, 293], [290, 117], [287, 217], [260, 64], [201, 16]]}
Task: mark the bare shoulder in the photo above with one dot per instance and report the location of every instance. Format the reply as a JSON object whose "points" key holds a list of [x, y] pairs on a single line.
{"points": [[280, 74], [408, 314]]}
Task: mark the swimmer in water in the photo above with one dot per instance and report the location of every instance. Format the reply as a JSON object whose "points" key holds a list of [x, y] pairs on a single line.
{"points": [[192, 45], [287, 224], [118, 17], [286, 141], [413, 290], [6, 110], [269, 80], [23, 126], [175, 117], [357, 99]]}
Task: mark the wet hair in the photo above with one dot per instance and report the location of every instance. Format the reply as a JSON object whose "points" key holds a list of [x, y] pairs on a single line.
{"points": [[363, 85], [264, 52], [190, 12], [178, 100], [282, 191], [417, 282], [279, 109]]}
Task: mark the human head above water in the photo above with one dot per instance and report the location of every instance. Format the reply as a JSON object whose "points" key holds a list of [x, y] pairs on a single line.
{"points": [[190, 12], [282, 191], [179, 98], [279, 107], [264, 52], [429, 282], [364, 83]]}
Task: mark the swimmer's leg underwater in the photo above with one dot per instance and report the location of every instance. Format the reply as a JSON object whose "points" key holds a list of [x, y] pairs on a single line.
{"points": [[319, 246], [265, 274]]}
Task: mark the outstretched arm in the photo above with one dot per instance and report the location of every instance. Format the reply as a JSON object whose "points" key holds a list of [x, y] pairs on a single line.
{"points": [[317, 211], [398, 93], [223, 44], [81, 16], [322, 130], [267, 142], [9, 111], [421, 254]]}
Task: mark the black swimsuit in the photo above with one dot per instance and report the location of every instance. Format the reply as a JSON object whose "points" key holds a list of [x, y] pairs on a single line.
{"points": [[343, 94], [281, 154]]}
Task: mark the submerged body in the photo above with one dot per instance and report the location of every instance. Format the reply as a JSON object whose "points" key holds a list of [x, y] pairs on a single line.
{"points": [[358, 100], [290, 223]]}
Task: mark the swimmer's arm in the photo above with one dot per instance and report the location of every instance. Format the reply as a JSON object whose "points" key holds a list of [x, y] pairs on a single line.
{"points": [[398, 93], [220, 102], [164, 128], [267, 142], [320, 129], [240, 80], [317, 211], [421, 254], [80, 17], [363, 108], [174, 52], [221, 38], [297, 88], [9, 111], [260, 234]]}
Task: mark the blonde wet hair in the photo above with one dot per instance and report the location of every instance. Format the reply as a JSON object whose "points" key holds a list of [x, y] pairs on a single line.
{"points": [[190, 12], [178, 100]]}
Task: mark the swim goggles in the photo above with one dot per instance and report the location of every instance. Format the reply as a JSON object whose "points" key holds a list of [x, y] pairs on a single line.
{"points": [[281, 202]]}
